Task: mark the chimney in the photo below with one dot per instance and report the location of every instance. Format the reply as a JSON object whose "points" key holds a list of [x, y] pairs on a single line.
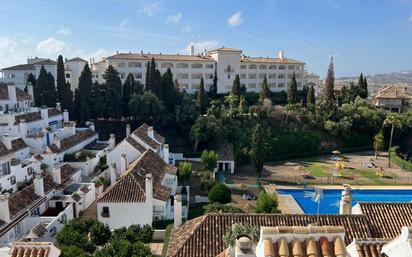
{"points": [[141, 53], [244, 247], [44, 112], [38, 185], [345, 204], [280, 55], [58, 106], [30, 89], [150, 132], [112, 142], [192, 50], [56, 141], [7, 141], [11, 90], [127, 130], [4, 208], [57, 175], [65, 115], [149, 188], [92, 127], [23, 128], [123, 163], [166, 153], [113, 176], [177, 205]]}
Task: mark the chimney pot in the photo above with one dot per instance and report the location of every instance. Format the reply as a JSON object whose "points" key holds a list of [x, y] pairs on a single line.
{"points": [[4, 207]]}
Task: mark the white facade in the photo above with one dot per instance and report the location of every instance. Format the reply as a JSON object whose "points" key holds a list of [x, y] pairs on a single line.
{"points": [[73, 68], [188, 69]]}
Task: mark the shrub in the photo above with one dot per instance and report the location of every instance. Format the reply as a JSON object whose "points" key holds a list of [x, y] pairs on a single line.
{"points": [[184, 172], [208, 160], [221, 208], [267, 203], [239, 229], [220, 193]]}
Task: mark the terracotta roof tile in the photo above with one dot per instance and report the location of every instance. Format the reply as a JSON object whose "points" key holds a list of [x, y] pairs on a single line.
{"points": [[225, 152], [203, 236], [71, 141], [28, 117], [142, 133], [270, 60], [76, 59], [53, 112], [16, 145], [40, 230], [131, 186], [20, 67], [20, 94], [35, 249], [226, 49], [393, 92], [136, 144], [162, 57]]}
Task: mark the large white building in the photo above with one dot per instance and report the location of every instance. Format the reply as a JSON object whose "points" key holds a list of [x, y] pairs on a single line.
{"points": [[228, 62]]}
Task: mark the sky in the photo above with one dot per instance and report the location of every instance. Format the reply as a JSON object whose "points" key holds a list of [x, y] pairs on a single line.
{"points": [[369, 36]]}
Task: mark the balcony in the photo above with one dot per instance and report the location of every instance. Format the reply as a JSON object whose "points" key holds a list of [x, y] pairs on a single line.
{"points": [[229, 70]]}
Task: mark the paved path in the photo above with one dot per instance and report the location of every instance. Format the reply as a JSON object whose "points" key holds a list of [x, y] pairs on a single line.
{"points": [[288, 205]]}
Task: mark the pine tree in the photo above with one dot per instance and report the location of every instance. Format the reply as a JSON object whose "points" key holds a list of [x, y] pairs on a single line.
{"points": [[113, 94], [213, 87], [293, 90], [265, 92], [257, 152], [128, 87], [202, 98], [60, 80], [30, 79], [83, 104], [310, 98], [168, 96], [328, 89]]}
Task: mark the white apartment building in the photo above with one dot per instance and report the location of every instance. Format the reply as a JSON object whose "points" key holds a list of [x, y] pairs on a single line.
{"points": [[18, 74], [189, 69]]}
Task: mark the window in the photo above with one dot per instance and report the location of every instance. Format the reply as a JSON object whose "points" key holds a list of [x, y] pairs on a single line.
{"points": [[272, 85], [158, 209], [209, 66], [282, 67], [118, 65], [53, 231], [209, 76], [182, 65], [13, 180], [30, 171], [105, 212], [182, 76], [242, 76], [135, 64], [272, 67], [251, 85], [196, 76], [291, 67], [195, 86], [262, 67], [63, 218], [228, 76], [197, 66], [137, 75], [67, 75], [281, 85], [5, 168], [167, 65], [252, 67], [243, 67], [122, 75], [252, 76], [281, 76], [262, 76], [12, 76], [272, 76]]}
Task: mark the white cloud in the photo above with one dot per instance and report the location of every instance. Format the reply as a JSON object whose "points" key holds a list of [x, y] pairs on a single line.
{"points": [[50, 46], [201, 46], [174, 18], [12, 51], [124, 22], [64, 31], [235, 19], [187, 29], [149, 8]]}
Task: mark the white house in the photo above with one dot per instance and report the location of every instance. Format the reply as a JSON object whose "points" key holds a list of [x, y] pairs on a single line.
{"points": [[133, 146], [14, 99], [142, 194], [72, 69], [228, 62]]}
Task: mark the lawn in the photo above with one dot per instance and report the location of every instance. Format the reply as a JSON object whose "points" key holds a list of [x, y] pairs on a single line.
{"points": [[318, 169], [399, 161]]}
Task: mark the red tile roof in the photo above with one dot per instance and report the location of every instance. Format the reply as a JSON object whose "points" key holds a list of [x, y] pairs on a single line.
{"points": [[20, 94], [142, 133], [16, 145], [161, 57], [71, 141]]}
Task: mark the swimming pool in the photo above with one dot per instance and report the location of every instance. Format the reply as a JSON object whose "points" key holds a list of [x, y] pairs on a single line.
{"points": [[331, 197]]}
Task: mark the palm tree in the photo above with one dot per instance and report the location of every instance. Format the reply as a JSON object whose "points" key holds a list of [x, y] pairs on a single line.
{"points": [[394, 121], [378, 143]]}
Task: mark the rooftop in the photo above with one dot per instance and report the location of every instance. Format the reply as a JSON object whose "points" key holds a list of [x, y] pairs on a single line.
{"points": [[16, 145], [71, 141], [20, 94], [393, 92], [142, 132], [161, 57]]}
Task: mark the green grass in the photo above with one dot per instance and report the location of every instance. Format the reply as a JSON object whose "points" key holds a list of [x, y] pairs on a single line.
{"points": [[318, 170], [167, 239], [399, 161]]}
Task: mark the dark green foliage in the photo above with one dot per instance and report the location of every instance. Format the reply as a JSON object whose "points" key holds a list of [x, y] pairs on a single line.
{"points": [[202, 98], [168, 91], [64, 92], [213, 87], [265, 92], [128, 87], [97, 101], [123, 248], [293, 90], [113, 93], [235, 93], [310, 99], [75, 233], [267, 203], [30, 79], [83, 98], [185, 114], [345, 96], [328, 90], [208, 131], [72, 251], [184, 172], [257, 152], [146, 108], [220, 193], [45, 90], [134, 233], [208, 161], [99, 233], [221, 208], [362, 87]]}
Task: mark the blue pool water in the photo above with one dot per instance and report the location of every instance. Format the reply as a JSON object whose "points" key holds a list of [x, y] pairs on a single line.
{"points": [[331, 197]]}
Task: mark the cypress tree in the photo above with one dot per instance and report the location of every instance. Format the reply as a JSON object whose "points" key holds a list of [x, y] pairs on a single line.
{"points": [[345, 96], [40, 87], [213, 87], [353, 91], [128, 87], [157, 84], [84, 94], [310, 98], [50, 95], [201, 98], [236, 92], [97, 101], [168, 96], [147, 80], [293, 90], [67, 102], [363, 87], [257, 152], [61, 80], [265, 92], [328, 93], [152, 77], [113, 96], [30, 79]]}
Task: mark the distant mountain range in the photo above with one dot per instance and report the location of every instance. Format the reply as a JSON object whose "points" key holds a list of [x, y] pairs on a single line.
{"points": [[377, 81]]}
